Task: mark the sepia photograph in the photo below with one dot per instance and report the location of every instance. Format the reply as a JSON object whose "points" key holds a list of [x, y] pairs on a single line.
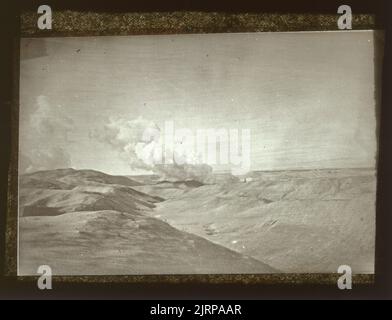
{"points": [[186, 154]]}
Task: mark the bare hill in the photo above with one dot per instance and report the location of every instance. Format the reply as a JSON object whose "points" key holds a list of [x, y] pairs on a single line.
{"points": [[49, 202], [88, 223], [115, 243]]}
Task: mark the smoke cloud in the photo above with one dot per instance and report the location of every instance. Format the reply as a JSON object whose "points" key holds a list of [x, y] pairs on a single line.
{"points": [[140, 143], [44, 138]]}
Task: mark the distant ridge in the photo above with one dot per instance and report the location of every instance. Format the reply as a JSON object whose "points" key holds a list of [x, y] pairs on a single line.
{"points": [[70, 178]]}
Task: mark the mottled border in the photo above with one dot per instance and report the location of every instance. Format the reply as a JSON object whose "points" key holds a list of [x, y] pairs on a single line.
{"points": [[72, 23], [267, 279]]}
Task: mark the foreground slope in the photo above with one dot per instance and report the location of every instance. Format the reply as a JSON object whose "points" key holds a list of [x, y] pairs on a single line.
{"points": [[89, 223], [115, 243], [295, 221]]}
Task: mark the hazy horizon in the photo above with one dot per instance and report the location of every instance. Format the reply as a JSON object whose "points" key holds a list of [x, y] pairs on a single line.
{"points": [[215, 172]]}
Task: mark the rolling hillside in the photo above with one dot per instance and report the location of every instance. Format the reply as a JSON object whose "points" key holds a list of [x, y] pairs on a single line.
{"points": [[304, 221], [102, 227]]}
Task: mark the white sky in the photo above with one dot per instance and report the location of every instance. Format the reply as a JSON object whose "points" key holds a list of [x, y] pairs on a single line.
{"points": [[308, 98]]}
